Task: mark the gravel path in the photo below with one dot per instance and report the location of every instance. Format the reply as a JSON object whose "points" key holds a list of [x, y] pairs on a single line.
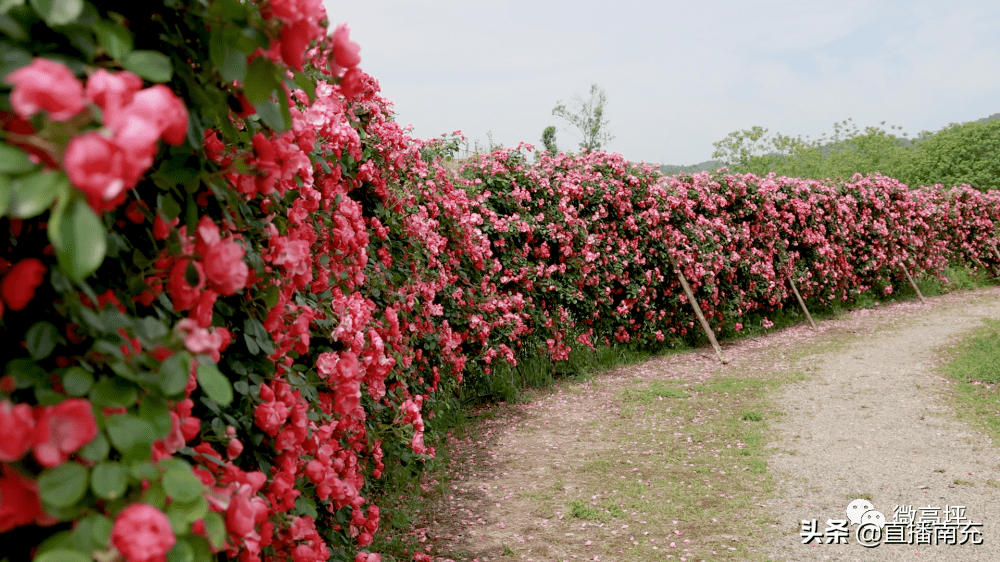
{"points": [[872, 423], [871, 419]]}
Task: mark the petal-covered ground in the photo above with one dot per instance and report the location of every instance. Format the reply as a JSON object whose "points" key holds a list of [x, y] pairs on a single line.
{"points": [[682, 458]]}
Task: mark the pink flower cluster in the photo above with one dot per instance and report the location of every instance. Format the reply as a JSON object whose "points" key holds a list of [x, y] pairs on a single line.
{"points": [[102, 163]]}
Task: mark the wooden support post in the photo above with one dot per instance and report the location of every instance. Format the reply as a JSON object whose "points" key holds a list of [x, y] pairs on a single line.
{"points": [[698, 313], [913, 284], [802, 303], [995, 252]]}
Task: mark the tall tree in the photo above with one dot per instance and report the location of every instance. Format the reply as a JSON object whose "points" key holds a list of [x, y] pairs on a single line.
{"points": [[549, 139], [588, 117]]}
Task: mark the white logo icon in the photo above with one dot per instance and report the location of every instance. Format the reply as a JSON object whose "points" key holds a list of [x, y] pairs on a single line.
{"points": [[856, 510], [862, 512]]}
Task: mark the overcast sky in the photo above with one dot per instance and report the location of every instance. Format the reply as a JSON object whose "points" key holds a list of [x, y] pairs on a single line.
{"points": [[679, 75]]}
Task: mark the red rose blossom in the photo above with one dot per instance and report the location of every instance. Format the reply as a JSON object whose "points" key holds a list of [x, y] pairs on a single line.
{"points": [[17, 287], [143, 533], [112, 91], [46, 85], [96, 166], [182, 294], [224, 267], [345, 51], [163, 110], [19, 504], [62, 429], [18, 423]]}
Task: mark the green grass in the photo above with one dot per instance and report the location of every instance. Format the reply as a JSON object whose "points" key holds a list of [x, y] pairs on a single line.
{"points": [[974, 365]]}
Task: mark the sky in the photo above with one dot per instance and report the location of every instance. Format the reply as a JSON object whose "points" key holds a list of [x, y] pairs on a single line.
{"points": [[679, 75]]}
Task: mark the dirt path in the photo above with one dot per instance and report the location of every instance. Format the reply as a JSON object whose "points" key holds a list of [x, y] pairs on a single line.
{"points": [[604, 470], [873, 424]]}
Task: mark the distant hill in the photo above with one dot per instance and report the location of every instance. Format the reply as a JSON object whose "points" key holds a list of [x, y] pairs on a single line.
{"points": [[994, 117], [670, 169]]}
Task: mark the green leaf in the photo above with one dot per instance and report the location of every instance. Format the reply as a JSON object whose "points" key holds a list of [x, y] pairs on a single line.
{"points": [[33, 193], [170, 207], [113, 393], [215, 384], [188, 512], [260, 82], [77, 381], [128, 432], [82, 241], [86, 531], [227, 56], [271, 297], [115, 39], [143, 471], [181, 552], [151, 65], [215, 528], [155, 496], [174, 373], [97, 449], [182, 485], [271, 115], [4, 194], [155, 411], [307, 84], [101, 530], [58, 12], [8, 5], [41, 340], [13, 160], [108, 480], [62, 555], [64, 485], [152, 328]]}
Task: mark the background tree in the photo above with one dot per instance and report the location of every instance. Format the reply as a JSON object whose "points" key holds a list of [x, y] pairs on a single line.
{"points": [[588, 118], [959, 153], [549, 139]]}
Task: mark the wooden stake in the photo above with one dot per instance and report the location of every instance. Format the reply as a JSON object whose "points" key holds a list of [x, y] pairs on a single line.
{"points": [[913, 284], [802, 303], [698, 313], [995, 252]]}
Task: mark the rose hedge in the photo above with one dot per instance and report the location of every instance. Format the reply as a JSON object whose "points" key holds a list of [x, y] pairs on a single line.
{"points": [[233, 291]]}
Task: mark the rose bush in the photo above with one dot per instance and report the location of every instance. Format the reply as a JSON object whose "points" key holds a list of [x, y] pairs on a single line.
{"points": [[238, 291]]}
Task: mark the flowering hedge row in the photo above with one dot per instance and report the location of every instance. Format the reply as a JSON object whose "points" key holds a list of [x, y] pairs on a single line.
{"points": [[232, 291], [590, 242]]}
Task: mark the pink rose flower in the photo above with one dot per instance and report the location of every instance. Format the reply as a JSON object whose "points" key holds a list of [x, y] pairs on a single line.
{"points": [[224, 267], [351, 84], [96, 166], [295, 39], [62, 429], [112, 91], [18, 423], [143, 533], [163, 110], [46, 85], [345, 51]]}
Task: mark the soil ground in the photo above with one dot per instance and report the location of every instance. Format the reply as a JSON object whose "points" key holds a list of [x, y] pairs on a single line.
{"points": [[682, 458]]}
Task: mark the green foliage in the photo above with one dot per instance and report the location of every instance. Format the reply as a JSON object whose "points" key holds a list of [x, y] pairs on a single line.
{"points": [[957, 154], [588, 118], [549, 139], [846, 152]]}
